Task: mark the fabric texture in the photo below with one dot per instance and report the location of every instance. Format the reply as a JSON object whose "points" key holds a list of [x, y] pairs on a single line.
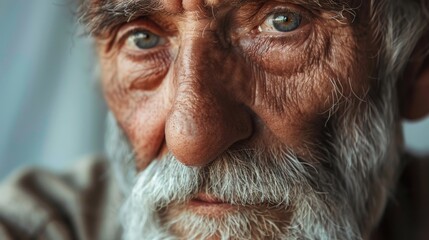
{"points": [[83, 204], [80, 204], [407, 214]]}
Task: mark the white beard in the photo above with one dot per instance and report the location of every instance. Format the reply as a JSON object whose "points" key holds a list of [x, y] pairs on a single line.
{"points": [[340, 198]]}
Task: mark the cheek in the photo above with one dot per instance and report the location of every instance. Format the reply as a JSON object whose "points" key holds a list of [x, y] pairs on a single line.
{"points": [[141, 114], [277, 56], [302, 87], [145, 130], [293, 109]]}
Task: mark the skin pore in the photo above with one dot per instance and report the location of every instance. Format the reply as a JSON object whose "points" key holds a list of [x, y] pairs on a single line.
{"points": [[274, 87], [243, 117]]}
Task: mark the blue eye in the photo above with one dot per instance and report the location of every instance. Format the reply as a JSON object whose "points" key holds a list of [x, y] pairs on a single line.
{"points": [[281, 22], [143, 39], [286, 22]]}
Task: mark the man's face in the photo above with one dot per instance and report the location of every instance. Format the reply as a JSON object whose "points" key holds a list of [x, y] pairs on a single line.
{"points": [[197, 78], [252, 117]]}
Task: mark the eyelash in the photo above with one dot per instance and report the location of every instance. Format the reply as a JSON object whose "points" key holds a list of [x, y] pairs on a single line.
{"points": [[124, 37], [261, 16], [305, 18], [142, 24]]}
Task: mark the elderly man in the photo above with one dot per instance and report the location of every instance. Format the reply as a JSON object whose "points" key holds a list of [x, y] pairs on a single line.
{"points": [[236, 119]]}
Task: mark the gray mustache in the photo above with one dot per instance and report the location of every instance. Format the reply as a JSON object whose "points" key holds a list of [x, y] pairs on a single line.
{"points": [[243, 177]]}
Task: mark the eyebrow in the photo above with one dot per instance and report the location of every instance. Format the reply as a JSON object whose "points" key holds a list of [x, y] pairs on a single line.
{"points": [[101, 17]]}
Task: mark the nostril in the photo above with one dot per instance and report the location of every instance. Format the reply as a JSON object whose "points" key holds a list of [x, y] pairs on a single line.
{"points": [[191, 141], [198, 141], [206, 117]]}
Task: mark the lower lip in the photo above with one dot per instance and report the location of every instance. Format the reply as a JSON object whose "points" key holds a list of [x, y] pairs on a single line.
{"points": [[209, 208]]}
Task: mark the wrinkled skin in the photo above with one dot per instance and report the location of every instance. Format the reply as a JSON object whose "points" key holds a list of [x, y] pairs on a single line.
{"points": [[217, 83], [221, 78]]}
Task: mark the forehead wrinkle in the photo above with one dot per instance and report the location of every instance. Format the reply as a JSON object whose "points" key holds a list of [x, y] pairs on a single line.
{"points": [[101, 16], [149, 6], [337, 6], [132, 6], [320, 4]]}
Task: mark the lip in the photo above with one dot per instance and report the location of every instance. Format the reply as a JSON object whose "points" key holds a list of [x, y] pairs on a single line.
{"points": [[205, 204], [208, 199]]}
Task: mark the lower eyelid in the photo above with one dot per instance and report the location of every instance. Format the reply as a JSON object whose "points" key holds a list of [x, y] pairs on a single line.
{"points": [[154, 56], [149, 80], [295, 39], [290, 8], [163, 43], [124, 34]]}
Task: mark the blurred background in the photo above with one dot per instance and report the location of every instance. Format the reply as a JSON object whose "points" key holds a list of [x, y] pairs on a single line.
{"points": [[51, 109]]}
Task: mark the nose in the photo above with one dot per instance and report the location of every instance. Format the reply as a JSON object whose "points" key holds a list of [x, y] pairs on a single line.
{"points": [[206, 117]]}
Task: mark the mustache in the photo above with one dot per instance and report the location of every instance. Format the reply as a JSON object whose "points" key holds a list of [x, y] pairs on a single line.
{"points": [[273, 177], [267, 176], [270, 178]]}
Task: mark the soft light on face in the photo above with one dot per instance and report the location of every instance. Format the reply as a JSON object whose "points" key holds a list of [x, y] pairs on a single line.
{"points": [[261, 104], [250, 74]]}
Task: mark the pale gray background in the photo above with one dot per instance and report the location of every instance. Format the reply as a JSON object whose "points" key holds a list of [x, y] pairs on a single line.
{"points": [[51, 111]]}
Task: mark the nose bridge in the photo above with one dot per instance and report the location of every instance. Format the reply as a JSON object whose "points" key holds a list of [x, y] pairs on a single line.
{"points": [[204, 61], [198, 68], [201, 78], [203, 119]]}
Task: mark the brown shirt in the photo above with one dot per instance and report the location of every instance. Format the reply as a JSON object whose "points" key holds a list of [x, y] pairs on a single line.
{"points": [[83, 204], [80, 204], [407, 214]]}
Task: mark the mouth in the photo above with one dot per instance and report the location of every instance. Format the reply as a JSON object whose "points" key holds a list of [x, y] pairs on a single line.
{"points": [[209, 205], [207, 199]]}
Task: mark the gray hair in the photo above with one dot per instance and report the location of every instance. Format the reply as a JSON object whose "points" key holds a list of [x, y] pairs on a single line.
{"points": [[365, 140]]}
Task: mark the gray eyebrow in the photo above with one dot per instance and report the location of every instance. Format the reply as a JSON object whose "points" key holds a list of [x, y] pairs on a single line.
{"points": [[102, 16]]}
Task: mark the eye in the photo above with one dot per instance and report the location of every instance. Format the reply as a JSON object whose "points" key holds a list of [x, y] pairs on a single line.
{"points": [[281, 22], [143, 40]]}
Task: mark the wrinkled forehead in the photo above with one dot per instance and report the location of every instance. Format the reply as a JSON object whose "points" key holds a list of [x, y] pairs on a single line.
{"points": [[100, 15], [177, 6]]}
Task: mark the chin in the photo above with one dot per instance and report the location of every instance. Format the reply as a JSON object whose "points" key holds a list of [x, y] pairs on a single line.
{"points": [[269, 193]]}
